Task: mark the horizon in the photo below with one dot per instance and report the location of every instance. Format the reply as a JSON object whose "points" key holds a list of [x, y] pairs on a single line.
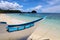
{"points": [[41, 6]]}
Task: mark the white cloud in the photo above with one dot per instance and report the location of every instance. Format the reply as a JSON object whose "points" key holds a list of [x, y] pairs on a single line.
{"points": [[53, 6], [53, 2], [8, 5], [53, 9], [34, 8], [37, 7]]}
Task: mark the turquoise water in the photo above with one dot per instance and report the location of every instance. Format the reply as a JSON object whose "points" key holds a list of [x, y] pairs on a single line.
{"points": [[24, 17], [31, 17], [52, 22], [53, 19]]}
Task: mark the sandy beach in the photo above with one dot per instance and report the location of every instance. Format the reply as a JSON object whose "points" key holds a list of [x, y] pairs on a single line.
{"points": [[10, 20], [42, 30], [29, 19], [17, 35]]}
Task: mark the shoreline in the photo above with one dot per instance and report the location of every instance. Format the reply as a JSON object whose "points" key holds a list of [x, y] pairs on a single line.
{"points": [[48, 29], [4, 35], [10, 20]]}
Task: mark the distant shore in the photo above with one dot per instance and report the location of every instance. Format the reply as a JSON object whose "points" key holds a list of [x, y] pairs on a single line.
{"points": [[15, 11]]}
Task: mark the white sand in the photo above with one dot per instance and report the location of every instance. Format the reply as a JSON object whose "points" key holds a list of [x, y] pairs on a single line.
{"points": [[10, 20], [45, 31]]}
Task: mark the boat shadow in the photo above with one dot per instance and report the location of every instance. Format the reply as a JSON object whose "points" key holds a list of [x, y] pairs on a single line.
{"points": [[24, 38]]}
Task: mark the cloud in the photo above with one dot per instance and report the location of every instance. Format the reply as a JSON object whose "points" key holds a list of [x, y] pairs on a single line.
{"points": [[37, 7], [34, 8], [53, 2], [5, 5], [53, 6], [53, 9]]}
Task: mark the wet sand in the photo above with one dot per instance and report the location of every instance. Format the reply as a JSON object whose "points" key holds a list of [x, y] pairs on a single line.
{"points": [[46, 30]]}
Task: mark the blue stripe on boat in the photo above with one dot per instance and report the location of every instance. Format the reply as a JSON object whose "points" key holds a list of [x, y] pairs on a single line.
{"points": [[11, 29], [21, 28]]}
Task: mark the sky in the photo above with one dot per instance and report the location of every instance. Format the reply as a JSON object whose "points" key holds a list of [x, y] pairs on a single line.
{"points": [[42, 6]]}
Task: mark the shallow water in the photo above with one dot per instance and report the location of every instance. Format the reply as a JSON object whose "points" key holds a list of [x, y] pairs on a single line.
{"points": [[49, 28], [24, 17], [51, 19]]}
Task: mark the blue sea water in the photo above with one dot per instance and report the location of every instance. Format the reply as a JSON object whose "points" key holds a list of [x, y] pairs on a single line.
{"points": [[53, 22], [28, 16]]}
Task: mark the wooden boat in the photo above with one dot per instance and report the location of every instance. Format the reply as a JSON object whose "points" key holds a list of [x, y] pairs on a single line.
{"points": [[12, 28], [18, 32]]}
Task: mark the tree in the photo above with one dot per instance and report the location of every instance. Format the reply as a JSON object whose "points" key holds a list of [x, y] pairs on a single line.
{"points": [[33, 11]]}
